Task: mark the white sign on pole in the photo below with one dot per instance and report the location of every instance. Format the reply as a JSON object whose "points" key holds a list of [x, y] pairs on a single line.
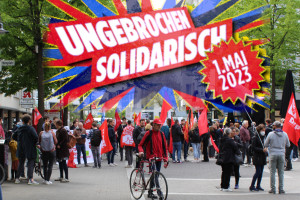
{"points": [[26, 101], [7, 63], [27, 105]]}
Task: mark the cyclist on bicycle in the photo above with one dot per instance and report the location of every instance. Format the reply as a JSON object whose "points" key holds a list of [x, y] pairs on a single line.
{"points": [[156, 147]]}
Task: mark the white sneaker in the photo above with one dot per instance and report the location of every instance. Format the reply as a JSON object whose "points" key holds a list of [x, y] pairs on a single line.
{"points": [[17, 181], [65, 180], [47, 183], [227, 190], [221, 189], [111, 164], [23, 178], [128, 166], [115, 164], [50, 182], [295, 159], [32, 182]]}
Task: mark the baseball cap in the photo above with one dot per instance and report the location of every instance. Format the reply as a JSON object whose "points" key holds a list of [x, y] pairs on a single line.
{"points": [[157, 121]]}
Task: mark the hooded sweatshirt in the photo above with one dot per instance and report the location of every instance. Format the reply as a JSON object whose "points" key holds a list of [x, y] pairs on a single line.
{"points": [[277, 141]]}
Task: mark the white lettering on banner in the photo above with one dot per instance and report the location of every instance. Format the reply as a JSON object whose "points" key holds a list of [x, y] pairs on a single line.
{"points": [[170, 52], [238, 76], [90, 36]]}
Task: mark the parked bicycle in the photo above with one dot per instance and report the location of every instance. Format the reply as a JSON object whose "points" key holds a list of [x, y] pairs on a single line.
{"points": [[138, 183], [38, 169]]}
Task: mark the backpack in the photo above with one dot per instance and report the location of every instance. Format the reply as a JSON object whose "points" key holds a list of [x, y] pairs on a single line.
{"points": [[149, 139], [71, 141], [140, 137], [96, 139]]}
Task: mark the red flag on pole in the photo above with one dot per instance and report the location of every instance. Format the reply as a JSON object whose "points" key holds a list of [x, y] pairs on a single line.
{"points": [[192, 120], [164, 111], [88, 121], [291, 123], [106, 145], [118, 120], [186, 132], [214, 144], [37, 116], [171, 138], [138, 118], [202, 122]]}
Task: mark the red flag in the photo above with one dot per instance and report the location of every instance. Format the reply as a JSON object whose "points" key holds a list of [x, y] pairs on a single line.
{"points": [[137, 119], [164, 111], [171, 138], [202, 122], [106, 145], [191, 120], [118, 120], [186, 132], [71, 163], [37, 116], [88, 121], [214, 144], [291, 123]]}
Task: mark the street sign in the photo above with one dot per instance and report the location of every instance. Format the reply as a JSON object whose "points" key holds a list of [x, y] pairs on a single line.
{"points": [[7, 63], [27, 95], [27, 105], [26, 101]]}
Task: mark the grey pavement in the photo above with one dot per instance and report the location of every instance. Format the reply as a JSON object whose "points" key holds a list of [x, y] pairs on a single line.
{"points": [[187, 181]]}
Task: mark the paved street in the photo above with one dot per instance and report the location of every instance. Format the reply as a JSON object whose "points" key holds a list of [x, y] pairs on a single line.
{"points": [[186, 181]]}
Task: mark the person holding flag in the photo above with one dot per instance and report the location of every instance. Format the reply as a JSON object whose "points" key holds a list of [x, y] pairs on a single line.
{"points": [[112, 139]]}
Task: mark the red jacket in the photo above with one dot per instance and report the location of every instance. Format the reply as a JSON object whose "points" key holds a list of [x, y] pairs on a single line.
{"points": [[157, 147]]}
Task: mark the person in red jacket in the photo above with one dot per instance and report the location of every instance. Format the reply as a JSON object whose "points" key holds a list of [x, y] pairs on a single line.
{"points": [[158, 149]]}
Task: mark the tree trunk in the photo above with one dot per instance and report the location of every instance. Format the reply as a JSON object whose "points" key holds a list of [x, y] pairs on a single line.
{"points": [[65, 117], [273, 94], [81, 112]]}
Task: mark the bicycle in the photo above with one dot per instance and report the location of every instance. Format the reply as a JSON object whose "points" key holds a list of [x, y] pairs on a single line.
{"points": [[38, 164], [138, 184], [2, 174]]}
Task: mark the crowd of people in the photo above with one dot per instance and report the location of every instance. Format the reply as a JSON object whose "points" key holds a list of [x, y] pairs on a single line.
{"points": [[254, 145]]}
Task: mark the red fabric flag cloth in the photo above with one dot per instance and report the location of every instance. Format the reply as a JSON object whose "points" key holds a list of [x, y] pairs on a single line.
{"points": [[88, 121], [106, 145], [186, 132], [192, 120], [138, 118], [37, 116], [171, 138], [127, 138], [202, 122], [164, 111], [71, 162], [291, 123], [214, 144], [118, 120]]}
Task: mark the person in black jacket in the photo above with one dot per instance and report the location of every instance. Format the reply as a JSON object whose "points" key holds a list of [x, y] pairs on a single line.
{"points": [[119, 132], [205, 140], [112, 139], [236, 167], [27, 139], [195, 141], [137, 131], [228, 149], [259, 157], [176, 136]]}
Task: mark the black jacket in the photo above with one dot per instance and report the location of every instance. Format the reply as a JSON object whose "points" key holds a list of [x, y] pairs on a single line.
{"points": [[27, 139], [176, 133], [62, 141], [111, 134], [259, 156], [228, 149], [238, 142], [194, 136], [136, 132]]}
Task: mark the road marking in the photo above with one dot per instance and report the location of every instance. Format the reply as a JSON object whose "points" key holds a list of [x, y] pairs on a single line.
{"points": [[227, 193], [209, 179]]}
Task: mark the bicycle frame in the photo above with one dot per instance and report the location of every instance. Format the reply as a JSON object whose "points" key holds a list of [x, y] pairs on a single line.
{"points": [[153, 168]]}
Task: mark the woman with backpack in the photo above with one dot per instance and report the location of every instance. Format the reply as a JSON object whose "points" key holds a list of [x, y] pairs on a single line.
{"points": [[195, 141], [47, 141], [62, 151], [95, 138], [259, 157]]}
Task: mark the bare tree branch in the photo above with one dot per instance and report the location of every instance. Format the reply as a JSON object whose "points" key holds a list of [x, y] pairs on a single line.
{"points": [[282, 40], [24, 43]]}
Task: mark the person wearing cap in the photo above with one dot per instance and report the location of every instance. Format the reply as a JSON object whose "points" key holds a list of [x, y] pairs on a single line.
{"points": [[158, 149], [277, 141]]}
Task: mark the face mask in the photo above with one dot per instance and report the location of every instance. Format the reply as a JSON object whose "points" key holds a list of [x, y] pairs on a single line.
{"points": [[262, 133]]}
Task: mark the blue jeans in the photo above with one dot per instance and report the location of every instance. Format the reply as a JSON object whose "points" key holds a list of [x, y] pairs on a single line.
{"points": [[81, 148], [111, 154], [257, 176], [176, 147], [196, 149]]}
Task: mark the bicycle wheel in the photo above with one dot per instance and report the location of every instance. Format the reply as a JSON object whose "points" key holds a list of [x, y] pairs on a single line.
{"points": [[136, 183], [2, 174], [40, 171], [160, 186]]}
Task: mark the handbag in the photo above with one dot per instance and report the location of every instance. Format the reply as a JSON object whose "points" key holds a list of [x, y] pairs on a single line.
{"points": [[238, 159]]}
